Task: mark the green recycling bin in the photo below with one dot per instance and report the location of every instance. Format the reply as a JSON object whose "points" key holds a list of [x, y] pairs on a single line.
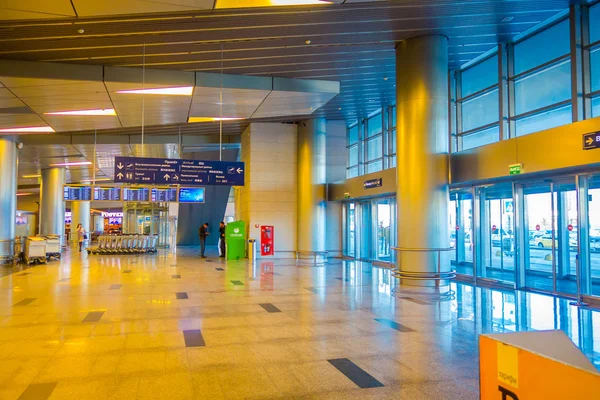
{"points": [[235, 240]]}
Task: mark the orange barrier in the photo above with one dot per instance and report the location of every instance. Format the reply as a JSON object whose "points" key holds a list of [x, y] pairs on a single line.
{"points": [[535, 365]]}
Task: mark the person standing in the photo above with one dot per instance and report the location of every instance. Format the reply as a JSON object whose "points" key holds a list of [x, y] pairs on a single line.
{"points": [[203, 233], [80, 235], [222, 238]]}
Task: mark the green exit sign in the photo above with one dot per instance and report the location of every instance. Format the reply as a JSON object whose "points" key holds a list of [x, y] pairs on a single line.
{"points": [[515, 169]]}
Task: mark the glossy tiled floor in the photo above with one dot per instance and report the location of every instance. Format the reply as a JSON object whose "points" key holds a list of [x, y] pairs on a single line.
{"points": [[174, 327]]}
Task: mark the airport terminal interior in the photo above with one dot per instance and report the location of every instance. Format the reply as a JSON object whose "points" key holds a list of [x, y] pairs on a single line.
{"points": [[300, 199]]}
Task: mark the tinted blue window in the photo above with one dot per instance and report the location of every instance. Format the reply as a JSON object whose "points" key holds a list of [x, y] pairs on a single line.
{"points": [[374, 166], [393, 149], [481, 138], [479, 76], [353, 155], [374, 125], [480, 111], [547, 45], [374, 148], [393, 117], [543, 88], [353, 135], [392, 161], [596, 107], [595, 23], [352, 172], [546, 120], [595, 68]]}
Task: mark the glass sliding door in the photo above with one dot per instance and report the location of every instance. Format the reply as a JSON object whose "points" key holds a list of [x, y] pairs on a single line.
{"points": [[567, 245], [350, 248], [364, 236], [461, 231], [385, 229], [593, 202], [496, 233]]}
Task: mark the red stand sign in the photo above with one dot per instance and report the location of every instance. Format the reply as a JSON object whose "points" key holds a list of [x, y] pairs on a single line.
{"points": [[457, 227], [267, 238], [570, 228], [537, 227], [494, 227]]}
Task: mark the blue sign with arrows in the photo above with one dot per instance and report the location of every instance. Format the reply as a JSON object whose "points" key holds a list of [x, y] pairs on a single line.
{"points": [[591, 141], [162, 171]]}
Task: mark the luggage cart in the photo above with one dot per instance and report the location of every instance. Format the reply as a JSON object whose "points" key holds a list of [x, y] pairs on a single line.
{"points": [[52, 246], [35, 250]]}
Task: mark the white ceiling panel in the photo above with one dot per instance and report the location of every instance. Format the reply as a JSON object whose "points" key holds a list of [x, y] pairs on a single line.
{"points": [[35, 9], [89, 8], [282, 103], [241, 103], [20, 120]]}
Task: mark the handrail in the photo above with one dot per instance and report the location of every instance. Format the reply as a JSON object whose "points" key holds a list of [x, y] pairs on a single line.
{"points": [[425, 276], [312, 253]]}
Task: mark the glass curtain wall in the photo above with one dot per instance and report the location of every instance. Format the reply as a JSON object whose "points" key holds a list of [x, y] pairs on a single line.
{"points": [[371, 143], [592, 48], [477, 104], [541, 78]]}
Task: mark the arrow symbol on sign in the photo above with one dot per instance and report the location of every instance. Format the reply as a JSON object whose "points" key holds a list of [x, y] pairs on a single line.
{"points": [[175, 177], [120, 166], [120, 175], [167, 176], [589, 141], [239, 170]]}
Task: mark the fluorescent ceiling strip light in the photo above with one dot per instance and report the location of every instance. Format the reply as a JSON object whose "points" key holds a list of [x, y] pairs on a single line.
{"points": [[213, 119], [24, 194], [100, 111], [171, 91], [28, 129], [67, 164], [30, 176], [267, 3]]}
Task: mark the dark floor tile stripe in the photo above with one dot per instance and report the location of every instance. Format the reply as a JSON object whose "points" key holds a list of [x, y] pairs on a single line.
{"points": [[176, 276], [93, 316], [208, 260], [219, 269], [356, 374], [65, 280], [25, 302], [193, 338], [38, 391], [127, 271], [270, 308], [316, 290], [24, 273], [394, 325], [181, 295], [416, 301], [115, 287], [237, 282]]}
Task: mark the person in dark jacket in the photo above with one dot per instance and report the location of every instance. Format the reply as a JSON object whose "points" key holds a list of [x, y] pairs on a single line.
{"points": [[222, 238], [203, 233]]}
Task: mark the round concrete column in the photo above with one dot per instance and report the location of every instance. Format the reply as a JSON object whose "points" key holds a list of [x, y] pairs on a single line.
{"points": [[8, 194], [52, 205], [80, 214], [422, 154], [311, 186]]}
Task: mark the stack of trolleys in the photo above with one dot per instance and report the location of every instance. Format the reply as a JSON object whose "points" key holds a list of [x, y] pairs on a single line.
{"points": [[52, 246], [35, 250], [153, 241], [99, 248]]}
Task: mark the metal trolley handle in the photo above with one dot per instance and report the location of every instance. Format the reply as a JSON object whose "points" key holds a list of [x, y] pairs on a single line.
{"points": [[422, 276]]}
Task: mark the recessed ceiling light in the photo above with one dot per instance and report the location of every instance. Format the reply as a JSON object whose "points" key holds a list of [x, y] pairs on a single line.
{"points": [[213, 119], [266, 3], [340, 109], [308, 42], [171, 91], [67, 164], [24, 194], [507, 19], [28, 129], [100, 111], [385, 78]]}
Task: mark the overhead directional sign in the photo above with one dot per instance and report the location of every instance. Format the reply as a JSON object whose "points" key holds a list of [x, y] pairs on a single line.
{"points": [[591, 141], [175, 171]]}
